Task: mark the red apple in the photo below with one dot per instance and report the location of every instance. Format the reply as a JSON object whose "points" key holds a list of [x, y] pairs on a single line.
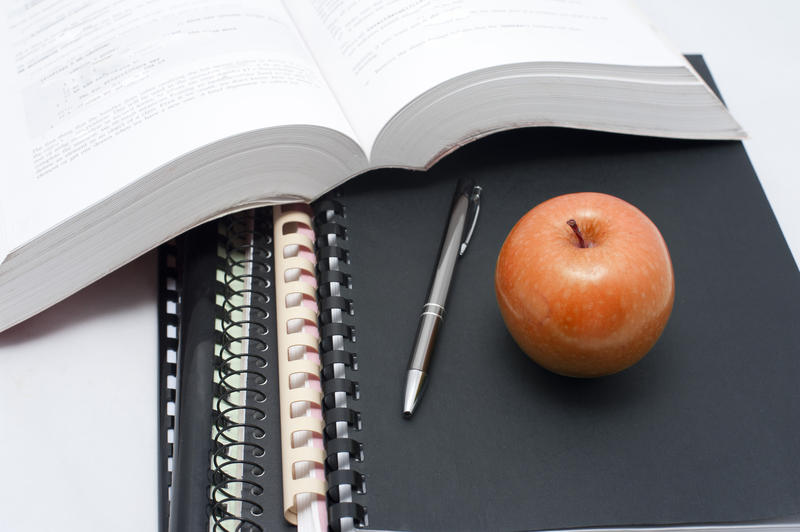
{"points": [[585, 285]]}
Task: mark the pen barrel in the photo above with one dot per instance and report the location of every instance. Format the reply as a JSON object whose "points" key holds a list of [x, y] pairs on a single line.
{"points": [[433, 311], [429, 322], [453, 242], [448, 254]]}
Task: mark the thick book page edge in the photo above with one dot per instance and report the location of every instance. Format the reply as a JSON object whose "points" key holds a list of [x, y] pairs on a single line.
{"points": [[377, 59], [302, 451], [635, 8], [159, 207]]}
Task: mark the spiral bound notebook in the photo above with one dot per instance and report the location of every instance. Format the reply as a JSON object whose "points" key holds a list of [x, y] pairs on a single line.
{"points": [[219, 374], [703, 430]]}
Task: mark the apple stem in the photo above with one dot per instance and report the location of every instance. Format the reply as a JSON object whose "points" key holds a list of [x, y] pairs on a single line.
{"points": [[574, 225]]}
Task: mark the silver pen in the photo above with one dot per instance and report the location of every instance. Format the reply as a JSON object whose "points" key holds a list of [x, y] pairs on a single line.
{"points": [[463, 216]]}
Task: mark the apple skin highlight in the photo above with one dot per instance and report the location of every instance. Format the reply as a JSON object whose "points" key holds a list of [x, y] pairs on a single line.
{"points": [[585, 311]]}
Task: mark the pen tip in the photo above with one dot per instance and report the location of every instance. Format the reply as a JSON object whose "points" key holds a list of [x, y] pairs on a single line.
{"points": [[415, 380]]}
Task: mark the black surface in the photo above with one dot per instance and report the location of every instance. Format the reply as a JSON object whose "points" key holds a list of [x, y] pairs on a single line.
{"points": [[197, 255], [705, 428]]}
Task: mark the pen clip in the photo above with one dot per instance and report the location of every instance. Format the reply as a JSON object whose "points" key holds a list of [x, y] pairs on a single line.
{"points": [[473, 209]]}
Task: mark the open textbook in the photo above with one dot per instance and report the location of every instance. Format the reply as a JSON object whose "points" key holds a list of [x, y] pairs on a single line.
{"points": [[128, 122]]}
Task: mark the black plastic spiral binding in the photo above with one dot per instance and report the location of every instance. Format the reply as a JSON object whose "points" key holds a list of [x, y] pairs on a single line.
{"points": [[247, 243], [167, 347], [340, 387]]}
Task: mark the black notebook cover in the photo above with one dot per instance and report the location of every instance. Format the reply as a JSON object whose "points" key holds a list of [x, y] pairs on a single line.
{"points": [[704, 429]]}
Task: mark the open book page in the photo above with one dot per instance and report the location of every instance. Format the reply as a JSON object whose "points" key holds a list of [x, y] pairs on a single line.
{"points": [[12, 121], [111, 90], [378, 56]]}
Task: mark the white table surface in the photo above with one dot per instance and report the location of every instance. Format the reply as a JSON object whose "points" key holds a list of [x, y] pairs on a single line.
{"points": [[78, 410]]}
